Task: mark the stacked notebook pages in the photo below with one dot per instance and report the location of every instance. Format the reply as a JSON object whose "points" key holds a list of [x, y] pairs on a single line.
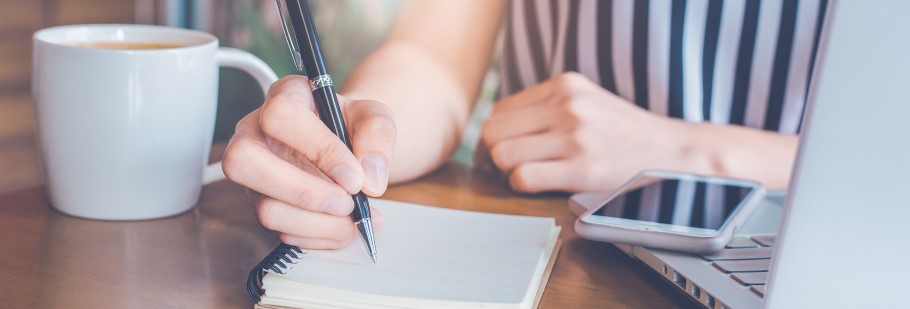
{"points": [[428, 258]]}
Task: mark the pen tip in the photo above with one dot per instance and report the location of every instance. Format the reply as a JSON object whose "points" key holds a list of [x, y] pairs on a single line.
{"points": [[366, 233]]}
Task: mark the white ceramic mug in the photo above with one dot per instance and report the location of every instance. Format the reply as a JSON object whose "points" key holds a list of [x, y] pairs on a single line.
{"points": [[125, 134]]}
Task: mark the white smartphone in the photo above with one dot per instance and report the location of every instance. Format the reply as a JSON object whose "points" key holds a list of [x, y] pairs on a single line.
{"points": [[674, 211]]}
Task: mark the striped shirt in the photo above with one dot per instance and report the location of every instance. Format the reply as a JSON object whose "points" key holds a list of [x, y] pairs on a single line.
{"points": [[744, 62]]}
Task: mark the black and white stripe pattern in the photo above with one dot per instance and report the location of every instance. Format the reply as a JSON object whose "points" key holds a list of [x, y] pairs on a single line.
{"points": [[743, 62]]}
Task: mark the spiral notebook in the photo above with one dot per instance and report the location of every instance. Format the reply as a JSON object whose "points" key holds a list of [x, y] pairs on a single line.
{"points": [[428, 258]]}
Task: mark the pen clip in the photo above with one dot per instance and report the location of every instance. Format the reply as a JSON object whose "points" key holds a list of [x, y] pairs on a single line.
{"points": [[288, 37]]}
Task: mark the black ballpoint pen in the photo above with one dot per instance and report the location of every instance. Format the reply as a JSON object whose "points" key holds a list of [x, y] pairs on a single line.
{"points": [[309, 55]]}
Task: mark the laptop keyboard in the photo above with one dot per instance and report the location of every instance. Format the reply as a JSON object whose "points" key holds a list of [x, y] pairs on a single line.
{"points": [[745, 260], [738, 254]]}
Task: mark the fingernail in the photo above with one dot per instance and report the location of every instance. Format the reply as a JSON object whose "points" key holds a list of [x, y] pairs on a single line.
{"points": [[346, 178], [376, 171], [338, 205]]}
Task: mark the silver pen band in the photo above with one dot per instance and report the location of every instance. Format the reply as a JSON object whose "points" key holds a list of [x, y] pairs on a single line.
{"points": [[320, 81]]}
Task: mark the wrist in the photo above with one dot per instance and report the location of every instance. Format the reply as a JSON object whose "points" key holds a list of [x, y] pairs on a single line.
{"points": [[697, 148]]}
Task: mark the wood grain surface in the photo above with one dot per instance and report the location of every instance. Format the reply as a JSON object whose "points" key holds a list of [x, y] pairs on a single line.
{"points": [[201, 258]]}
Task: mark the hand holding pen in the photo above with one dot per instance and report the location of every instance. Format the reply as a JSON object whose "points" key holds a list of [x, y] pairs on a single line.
{"points": [[309, 57], [306, 173]]}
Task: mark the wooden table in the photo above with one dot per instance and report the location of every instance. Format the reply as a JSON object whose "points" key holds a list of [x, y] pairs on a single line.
{"points": [[201, 258]]}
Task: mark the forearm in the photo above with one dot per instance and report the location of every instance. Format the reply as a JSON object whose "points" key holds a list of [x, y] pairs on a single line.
{"points": [[430, 108], [429, 72], [739, 152]]}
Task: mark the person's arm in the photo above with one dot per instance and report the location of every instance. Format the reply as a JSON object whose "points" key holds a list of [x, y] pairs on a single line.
{"points": [[569, 134], [429, 72], [739, 152], [415, 91]]}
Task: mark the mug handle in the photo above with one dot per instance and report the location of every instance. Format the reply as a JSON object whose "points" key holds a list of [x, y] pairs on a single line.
{"points": [[239, 59]]}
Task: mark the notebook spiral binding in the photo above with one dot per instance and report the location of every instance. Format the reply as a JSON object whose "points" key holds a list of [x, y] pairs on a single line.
{"points": [[280, 260]]}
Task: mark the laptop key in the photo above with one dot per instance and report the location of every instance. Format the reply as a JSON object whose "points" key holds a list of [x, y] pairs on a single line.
{"points": [[738, 266], [765, 240], [751, 278], [740, 254], [758, 289], [741, 242]]}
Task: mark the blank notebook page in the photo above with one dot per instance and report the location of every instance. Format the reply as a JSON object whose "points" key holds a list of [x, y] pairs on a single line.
{"points": [[439, 254]]}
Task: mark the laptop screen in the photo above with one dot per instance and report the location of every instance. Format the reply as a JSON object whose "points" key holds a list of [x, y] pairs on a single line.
{"points": [[686, 202]]}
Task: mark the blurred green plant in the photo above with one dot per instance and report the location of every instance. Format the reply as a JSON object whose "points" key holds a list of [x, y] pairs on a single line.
{"points": [[348, 31], [262, 41]]}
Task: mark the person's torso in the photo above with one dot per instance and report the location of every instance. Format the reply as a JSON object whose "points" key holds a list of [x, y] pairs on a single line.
{"points": [[743, 62]]}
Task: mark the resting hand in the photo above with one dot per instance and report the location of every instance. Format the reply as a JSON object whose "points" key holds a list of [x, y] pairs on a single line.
{"points": [[569, 134], [305, 173]]}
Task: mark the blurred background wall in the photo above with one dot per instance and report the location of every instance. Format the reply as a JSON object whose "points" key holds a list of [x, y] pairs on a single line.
{"points": [[349, 29], [18, 20]]}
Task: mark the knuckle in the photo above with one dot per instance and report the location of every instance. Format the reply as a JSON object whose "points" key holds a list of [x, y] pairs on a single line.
{"points": [[487, 131], [275, 87], [274, 116], [571, 80], [324, 149], [270, 215], [573, 110], [377, 107], [244, 123], [291, 239], [282, 85], [380, 128], [576, 142], [282, 110], [305, 199], [500, 155], [234, 157], [520, 179]]}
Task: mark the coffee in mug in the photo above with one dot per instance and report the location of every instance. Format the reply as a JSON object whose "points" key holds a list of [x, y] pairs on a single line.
{"points": [[124, 45]]}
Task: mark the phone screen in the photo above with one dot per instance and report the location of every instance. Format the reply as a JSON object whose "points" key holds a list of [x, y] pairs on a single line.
{"points": [[691, 202]]}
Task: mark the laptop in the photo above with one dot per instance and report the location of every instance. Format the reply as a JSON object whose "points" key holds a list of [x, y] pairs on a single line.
{"points": [[839, 238]]}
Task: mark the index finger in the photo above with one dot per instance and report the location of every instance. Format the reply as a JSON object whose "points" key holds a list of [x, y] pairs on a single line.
{"points": [[249, 161], [288, 117]]}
